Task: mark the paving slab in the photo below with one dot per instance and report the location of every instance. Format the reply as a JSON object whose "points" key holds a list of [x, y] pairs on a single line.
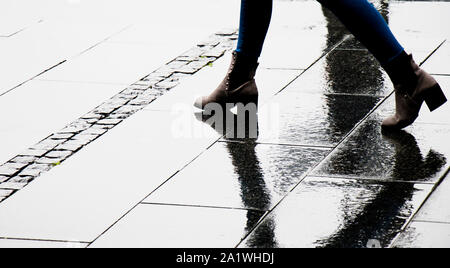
{"points": [[268, 173], [424, 235], [311, 119], [437, 208], [159, 226], [409, 155], [82, 197], [25, 121], [327, 212]]}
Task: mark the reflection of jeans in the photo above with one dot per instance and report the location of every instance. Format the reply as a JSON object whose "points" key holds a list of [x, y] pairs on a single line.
{"points": [[359, 16]]}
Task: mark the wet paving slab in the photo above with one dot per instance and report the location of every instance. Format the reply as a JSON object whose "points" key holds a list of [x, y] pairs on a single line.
{"points": [[405, 156], [346, 214], [161, 226], [311, 119], [239, 175], [409, 155], [424, 235], [353, 72]]}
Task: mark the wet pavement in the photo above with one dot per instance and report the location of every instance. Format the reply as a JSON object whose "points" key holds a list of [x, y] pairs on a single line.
{"points": [[102, 147]]}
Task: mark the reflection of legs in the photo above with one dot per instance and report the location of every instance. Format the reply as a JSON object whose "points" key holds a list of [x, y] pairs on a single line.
{"points": [[413, 85], [366, 23], [239, 84]]}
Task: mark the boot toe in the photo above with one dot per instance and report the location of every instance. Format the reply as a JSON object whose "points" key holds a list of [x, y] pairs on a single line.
{"points": [[199, 103]]}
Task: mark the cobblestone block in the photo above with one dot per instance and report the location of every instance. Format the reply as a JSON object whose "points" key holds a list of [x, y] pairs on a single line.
{"points": [[12, 185], [109, 121], [3, 178], [69, 147], [76, 127], [34, 170], [5, 194], [61, 136], [7, 170], [59, 154], [49, 161], [26, 159], [21, 180], [167, 85], [34, 152]]}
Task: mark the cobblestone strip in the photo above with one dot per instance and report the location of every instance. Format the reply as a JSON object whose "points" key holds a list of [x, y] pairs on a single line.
{"points": [[16, 173]]}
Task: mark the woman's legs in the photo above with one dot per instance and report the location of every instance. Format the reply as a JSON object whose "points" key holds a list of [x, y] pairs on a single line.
{"points": [[254, 24]]}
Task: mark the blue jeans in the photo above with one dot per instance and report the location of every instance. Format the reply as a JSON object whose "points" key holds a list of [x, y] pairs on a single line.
{"points": [[359, 16]]}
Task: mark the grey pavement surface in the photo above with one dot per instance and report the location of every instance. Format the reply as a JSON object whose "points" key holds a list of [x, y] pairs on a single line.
{"points": [[101, 146]]}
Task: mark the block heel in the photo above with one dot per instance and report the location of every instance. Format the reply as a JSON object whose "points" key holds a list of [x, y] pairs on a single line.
{"points": [[434, 97]]}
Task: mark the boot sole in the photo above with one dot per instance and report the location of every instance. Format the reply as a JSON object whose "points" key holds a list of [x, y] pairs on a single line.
{"points": [[435, 97]]}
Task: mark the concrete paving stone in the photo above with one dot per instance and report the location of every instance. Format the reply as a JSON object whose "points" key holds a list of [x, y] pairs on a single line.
{"points": [[17, 243], [50, 161], [73, 147], [345, 214], [311, 119], [155, 226], [345, 72], [424, 235], [61, 136], [3, 178], [24, 159], [4, 193], [15, 165], [58, 154], [66, 202], [21, 180], [400, 14], [76, 126], [94, 131], [108, 121], [110, 63], [408, 155], [34, 153], [34, 170], [7, 170], [436, 209], [267, 175], [13, 185], [437, 64], [47, 144]]}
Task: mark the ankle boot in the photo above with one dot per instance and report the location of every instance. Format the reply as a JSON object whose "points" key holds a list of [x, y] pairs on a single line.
{"points": [[413, 86], [238, 86]]}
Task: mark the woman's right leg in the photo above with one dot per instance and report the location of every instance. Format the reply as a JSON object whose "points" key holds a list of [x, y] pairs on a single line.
{"points": [[239, 84]]}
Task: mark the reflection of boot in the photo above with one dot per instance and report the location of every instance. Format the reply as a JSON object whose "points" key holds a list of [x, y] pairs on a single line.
{"points": [[409, 162], [238, 86], [413, 86]]}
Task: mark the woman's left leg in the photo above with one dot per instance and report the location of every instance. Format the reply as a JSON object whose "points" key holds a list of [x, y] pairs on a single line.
{"points": [[239, 84]]}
